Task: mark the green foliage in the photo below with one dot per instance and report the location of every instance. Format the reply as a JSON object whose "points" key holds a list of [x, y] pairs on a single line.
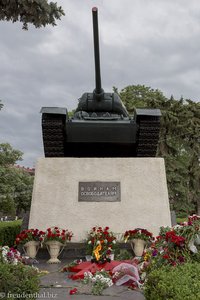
{"points": [[178, 143], [124, 255], [8, 155], [15, 184], [174, 283], [18, 279], [1, 105], [7, 205], [141, 96], [8, 232], [23, 190], [37, 12], [180, 220]]}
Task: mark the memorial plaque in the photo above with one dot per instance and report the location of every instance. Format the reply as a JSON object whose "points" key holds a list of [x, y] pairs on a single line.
{"points": [[99, 191]]}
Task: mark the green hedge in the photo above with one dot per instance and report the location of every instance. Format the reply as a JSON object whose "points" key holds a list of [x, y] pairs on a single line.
{"points": [[8, 232], [174, 283], [18, 281], [181, 220]]}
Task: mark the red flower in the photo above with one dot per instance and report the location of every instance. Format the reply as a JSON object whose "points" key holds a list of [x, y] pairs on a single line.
{"points": [[108, 252], [74, 291]]}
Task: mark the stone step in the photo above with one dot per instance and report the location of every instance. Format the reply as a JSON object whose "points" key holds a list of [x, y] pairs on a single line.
{"points": [[76, 251]]}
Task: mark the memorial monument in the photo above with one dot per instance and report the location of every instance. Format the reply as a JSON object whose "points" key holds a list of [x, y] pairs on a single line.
{"points": [[100, 166]]}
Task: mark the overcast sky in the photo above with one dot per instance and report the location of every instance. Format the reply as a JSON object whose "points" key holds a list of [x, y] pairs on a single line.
{"points": [[150, 42]]}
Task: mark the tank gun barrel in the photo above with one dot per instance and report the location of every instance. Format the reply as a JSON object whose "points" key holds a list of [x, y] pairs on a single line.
{"points": [[98, 88]]}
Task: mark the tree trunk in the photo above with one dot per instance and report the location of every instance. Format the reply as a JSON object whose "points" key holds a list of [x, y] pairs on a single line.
{"points": [[198, 207]]}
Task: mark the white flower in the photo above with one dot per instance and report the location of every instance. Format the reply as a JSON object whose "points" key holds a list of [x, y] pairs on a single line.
{"points": [[88, 275], [15, 261], [110, 283], [89, 242], [177, 226]]}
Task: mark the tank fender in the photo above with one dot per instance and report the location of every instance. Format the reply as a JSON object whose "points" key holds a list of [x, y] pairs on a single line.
{"points": [[55, 110], [153, 112]]}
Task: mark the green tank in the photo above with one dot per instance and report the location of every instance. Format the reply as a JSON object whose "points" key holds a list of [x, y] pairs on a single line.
{"points": [[101, 125]]}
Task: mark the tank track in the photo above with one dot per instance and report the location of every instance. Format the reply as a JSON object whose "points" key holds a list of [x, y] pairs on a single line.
{"points": [[53, 130], [148, 136]]}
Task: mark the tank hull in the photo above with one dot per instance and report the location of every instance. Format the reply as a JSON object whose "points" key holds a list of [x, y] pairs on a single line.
{"points": [[126, 137]]}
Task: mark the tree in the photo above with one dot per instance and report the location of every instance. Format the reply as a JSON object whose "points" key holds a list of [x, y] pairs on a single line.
{"points": [[37, 12], [8, 155], [191, 136], [15, 184], [178, 143], [1, 105]]}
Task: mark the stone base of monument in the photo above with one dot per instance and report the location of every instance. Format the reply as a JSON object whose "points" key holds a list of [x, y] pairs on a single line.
{"points": [[80, 193], [77, 251]]}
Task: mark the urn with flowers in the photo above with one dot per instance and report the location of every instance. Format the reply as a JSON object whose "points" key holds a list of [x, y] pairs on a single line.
{"points": [[138, 238], [30, 239], [55, 239]]}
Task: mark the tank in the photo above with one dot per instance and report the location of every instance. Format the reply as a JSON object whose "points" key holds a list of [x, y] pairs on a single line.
{"points": [[100, 125]]}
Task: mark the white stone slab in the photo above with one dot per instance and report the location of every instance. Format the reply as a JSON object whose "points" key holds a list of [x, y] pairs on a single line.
{"points": [[144, 196]]}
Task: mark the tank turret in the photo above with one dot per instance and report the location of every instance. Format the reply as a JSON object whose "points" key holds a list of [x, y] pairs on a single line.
{"points": [[99, 101], [101, 125]]}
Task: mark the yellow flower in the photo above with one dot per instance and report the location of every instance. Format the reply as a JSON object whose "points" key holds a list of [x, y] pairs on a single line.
{"points": [[147, 256]]}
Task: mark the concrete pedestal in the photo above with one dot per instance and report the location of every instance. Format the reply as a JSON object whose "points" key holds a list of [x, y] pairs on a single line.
{"points": [[143, 201]]}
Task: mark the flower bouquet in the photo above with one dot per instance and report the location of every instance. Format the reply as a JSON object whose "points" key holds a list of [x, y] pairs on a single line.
{"points": [[101, 243], [190, 231], [96, 283], [10, 255]]}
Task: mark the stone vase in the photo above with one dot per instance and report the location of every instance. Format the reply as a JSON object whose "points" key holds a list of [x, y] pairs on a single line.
{"points": [[54, 248], [31, 248], [138, 246]]}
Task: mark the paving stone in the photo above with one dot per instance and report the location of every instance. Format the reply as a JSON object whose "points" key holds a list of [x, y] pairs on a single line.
{"points": [[56, 285]]}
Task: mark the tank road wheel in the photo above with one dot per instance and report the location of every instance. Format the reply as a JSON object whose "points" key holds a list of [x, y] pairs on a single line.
{"points": [[53, 130], [148, 135]]}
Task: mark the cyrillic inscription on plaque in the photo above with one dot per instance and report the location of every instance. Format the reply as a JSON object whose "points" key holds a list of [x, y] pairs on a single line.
{"points": [[99, 191]]}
